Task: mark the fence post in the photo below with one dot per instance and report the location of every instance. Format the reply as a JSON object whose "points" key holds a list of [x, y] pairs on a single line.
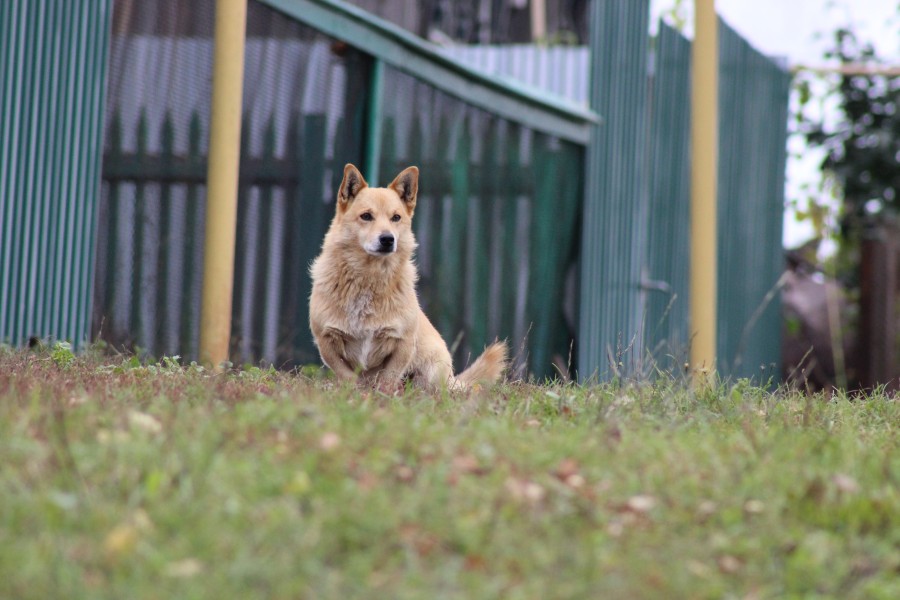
{"points": [[222, 180], [878, 307], [704, 136]]}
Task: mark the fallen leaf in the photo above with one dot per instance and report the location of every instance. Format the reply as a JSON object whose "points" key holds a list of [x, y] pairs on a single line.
{"points": [[144, 422], [575, 481], [642, 503], [707, 508], [729, 564], [465, 463], [566, 468], [845, 483], [474, 562], [184, 568], [698, 568], [329, 441], [120, 541], [404, 473], [525, 491], [754, 507]]}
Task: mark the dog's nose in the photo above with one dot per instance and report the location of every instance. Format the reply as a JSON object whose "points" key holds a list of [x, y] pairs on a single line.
{"points": [[387, 241]]}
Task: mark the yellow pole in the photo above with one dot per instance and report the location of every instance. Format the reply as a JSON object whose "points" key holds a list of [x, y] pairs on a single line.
{"points": [[704, 154], [222, 180]]}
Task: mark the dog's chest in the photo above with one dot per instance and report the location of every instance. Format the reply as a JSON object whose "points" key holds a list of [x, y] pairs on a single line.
{"points": [[360, 311]]}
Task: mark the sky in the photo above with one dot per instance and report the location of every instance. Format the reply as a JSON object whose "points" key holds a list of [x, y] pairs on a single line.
{"points": [[799, 31]]}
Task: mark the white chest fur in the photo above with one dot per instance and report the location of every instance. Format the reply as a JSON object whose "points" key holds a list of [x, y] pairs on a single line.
{"points": [[365, 349], [359, 309]]}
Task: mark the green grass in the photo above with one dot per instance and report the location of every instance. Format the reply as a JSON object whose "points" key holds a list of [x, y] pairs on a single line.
{"points": [[119, 480]]}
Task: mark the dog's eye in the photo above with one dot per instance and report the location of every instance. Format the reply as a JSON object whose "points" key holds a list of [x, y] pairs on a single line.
{"points": [[395, 218], [367, 216]]}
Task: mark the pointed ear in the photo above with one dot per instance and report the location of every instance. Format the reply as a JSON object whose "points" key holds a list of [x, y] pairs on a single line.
{"points": [[352, 184], [406, 184]]}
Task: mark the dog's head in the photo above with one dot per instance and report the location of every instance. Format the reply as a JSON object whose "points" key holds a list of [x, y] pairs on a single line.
{"points": [[378, 219]]}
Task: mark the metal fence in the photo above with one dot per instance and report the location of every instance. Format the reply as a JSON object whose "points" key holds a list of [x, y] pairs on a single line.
{"points": [[52, 82], [534, 224], [489, 187], [635, 298], [298, 132]]}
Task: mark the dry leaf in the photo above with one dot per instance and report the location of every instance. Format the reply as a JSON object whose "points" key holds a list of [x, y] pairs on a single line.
{"points": [[575, 481], [184, 568], [525, 491], [754, 507], [404, 473], [642, 503], [144, 422], [729, 564], [845, 483], [329, 441], [566, 468], [120, 541]]}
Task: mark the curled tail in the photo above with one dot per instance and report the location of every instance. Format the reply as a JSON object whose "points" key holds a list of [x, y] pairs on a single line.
{"points": [[487, 368]]}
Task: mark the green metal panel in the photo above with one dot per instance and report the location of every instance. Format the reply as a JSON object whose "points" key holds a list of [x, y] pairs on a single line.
{"points": [[752, 152], [666, 281], [752, 140], [53, 58], [615, 191]]}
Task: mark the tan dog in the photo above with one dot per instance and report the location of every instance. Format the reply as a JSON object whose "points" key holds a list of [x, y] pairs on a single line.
{"points": [[363, 311]]}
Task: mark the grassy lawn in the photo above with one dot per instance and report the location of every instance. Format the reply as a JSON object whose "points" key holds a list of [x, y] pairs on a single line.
{"points": [[121, 480]]}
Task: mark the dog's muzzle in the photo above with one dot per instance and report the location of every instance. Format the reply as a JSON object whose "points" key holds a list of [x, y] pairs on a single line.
{"points": [[386, 243]]}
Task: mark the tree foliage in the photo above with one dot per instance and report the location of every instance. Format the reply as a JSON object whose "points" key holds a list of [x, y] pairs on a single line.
{"points": [[863, 147]]}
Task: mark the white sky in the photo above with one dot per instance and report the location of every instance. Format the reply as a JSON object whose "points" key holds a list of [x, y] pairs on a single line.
{"points": [[800, 30]]}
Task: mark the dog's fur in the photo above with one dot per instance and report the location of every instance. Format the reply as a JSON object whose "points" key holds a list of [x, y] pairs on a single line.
{"points": [[363, 311]]}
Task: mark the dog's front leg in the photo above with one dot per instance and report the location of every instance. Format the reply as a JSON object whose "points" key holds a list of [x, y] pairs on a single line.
{"points": [[397, 356], [331, 347]]}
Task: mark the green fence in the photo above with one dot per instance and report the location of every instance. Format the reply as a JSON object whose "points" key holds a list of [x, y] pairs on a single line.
{"points": [[497, 223], [52, 82], [667, 275], [296, 138], [570, 240], [754, 99], [497, 218], [615, 217], [636, 262]]}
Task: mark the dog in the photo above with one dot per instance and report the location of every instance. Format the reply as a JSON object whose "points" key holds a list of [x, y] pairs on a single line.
{"points": [[363, 311]]}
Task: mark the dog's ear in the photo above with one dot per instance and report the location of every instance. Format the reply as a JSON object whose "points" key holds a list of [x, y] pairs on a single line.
{"points": [[352, 184], [406, 184]]}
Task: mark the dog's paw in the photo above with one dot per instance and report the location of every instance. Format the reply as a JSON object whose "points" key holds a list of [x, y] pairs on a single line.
{"points": [[390, 387]]}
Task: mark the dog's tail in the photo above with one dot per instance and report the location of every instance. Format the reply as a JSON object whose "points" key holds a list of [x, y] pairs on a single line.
{"points": [[486, 369]]}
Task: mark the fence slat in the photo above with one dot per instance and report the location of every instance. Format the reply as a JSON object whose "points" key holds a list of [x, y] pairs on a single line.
{"points": [[164, 245], [136, 320]]}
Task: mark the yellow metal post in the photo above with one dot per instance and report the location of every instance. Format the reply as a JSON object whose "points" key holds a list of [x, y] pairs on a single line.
{"points": [[704, 155], [222, 180]]}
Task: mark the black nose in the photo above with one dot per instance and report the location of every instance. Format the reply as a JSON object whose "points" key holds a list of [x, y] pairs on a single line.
{"points": [[387, 241]]}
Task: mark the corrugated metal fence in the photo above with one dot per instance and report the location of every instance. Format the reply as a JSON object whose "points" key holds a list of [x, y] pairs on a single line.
{"points": [[52, 83], [489, 185], [511, 222], [636, 261]]}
